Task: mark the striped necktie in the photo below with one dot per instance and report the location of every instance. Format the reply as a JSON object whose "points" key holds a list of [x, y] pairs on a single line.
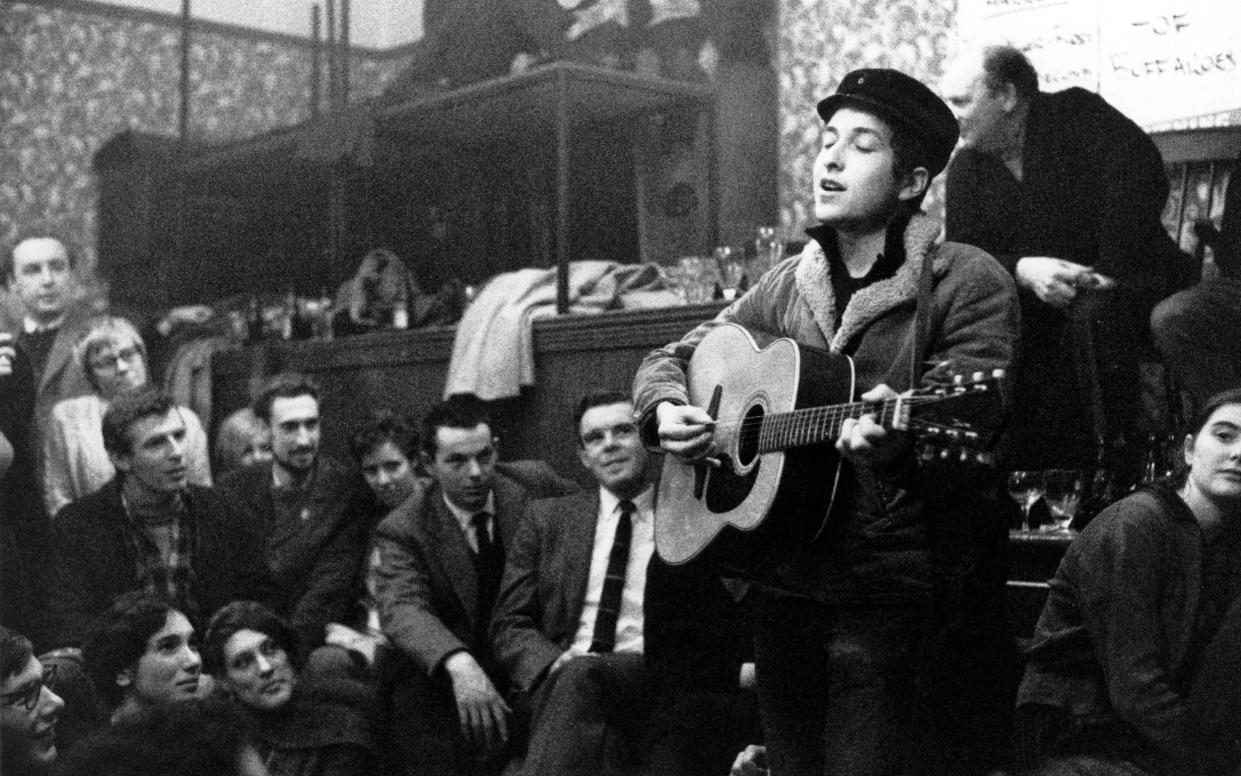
{"points": [[604, 638]]}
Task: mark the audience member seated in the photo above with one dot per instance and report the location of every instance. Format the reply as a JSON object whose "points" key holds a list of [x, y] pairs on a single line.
{"points": [[1144, 601], [148, 529], [24, 529], [29, 708], [1198, 330], [141, 652], [199, 737], [386, 449], [75, 463], [1067, 193], [305, 725], [240, 440], [312, 508], [700, 657], [441, 555], [568, 624]]}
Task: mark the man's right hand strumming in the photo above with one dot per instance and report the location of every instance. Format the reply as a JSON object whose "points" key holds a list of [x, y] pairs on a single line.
{"points": [[685, 431]]}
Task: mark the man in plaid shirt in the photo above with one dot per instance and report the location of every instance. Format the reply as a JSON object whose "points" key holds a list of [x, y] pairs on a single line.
{"points": [[149, 529]]}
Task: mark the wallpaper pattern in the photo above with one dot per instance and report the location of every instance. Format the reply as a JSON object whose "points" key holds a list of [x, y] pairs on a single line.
{"points": [[821, 41], [69, 81]]}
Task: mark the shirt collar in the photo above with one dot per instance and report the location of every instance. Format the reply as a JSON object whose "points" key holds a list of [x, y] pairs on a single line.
{"points": [[465, 516], [281, 479], [644, 502], [32, 326]]}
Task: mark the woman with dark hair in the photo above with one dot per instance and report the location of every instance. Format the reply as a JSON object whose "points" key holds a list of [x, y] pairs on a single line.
{"points": [[1142, 607], [302, 726], [28, 708], [142, 652]]}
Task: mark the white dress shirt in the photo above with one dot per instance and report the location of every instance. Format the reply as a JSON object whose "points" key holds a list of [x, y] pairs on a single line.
{"points": [[466, 519], [641, 545]]}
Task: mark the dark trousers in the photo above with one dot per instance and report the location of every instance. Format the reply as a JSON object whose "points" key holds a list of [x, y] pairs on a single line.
{"points": [[589, 716], [700, 733], [424, 728], [835, 685]]}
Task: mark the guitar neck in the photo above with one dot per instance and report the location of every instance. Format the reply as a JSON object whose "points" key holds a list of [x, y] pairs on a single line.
{"points": [[815, 425]]}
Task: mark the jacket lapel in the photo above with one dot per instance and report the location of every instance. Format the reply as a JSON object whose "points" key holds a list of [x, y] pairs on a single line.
{"points": [[580, 523], [814, 283], [454, 554]]}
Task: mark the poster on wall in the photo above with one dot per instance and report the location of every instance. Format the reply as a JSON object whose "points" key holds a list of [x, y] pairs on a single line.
{"points": [[1167, 64]]}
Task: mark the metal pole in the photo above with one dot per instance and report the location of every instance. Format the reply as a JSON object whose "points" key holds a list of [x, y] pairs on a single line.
{"points": [[331, 55], [344, 52], [315, 75], [183, 117], [562, 193]]}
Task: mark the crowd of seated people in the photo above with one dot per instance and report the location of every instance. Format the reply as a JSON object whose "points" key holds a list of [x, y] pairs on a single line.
{"points": [[430, 608]]}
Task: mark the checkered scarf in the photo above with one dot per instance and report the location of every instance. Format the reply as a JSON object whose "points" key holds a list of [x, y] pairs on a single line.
{"points": [[170, 577]]}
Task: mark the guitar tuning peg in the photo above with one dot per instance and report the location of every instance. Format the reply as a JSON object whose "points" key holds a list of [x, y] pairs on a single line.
{"points": [[958, 379], [945, 454], [978, 377], [997, 374], [966, 455]]}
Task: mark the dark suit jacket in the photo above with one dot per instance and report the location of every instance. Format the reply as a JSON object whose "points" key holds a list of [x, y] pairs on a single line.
{"points": [[545, 577], [426, 583], [315, 562], [92, 561]]}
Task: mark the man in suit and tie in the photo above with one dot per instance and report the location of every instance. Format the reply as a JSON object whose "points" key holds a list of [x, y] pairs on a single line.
{"points": [[441, 555], [568, 625]]}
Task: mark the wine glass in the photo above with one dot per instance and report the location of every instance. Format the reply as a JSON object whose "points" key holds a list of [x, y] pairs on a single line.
{"points": [[1025, 487], [1062, 488]]}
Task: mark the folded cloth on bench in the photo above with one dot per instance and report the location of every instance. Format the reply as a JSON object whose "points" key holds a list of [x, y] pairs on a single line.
{"points": [[493, 351]]}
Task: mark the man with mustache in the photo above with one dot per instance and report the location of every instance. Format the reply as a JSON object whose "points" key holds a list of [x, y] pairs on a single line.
{"points": [[568, 625], [313, 510], [148, 529]]}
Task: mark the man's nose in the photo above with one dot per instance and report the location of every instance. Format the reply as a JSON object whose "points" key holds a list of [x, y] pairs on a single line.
{"points": [[474, 468], [191, 657], [49, 702], [264, 665]]}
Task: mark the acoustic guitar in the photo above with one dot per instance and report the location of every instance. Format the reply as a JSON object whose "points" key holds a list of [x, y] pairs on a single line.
{"points": [[778, 411]]}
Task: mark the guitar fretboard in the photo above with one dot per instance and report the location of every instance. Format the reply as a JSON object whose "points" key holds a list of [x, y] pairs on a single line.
{"points": [[814, 425]]}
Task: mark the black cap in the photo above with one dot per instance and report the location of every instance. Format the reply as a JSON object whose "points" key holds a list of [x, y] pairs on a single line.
{"points": [[903, 100]]}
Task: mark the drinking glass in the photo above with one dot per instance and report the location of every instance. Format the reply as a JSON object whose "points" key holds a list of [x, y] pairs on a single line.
{"points": [[699, 276], [1025, 487], [1062, 489], [768, 251], [674, 278], [730, 262]]}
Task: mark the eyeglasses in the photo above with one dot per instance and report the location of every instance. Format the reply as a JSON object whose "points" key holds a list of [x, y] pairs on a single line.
{"points": [[110, 361], [29, 697], [599, 436]]}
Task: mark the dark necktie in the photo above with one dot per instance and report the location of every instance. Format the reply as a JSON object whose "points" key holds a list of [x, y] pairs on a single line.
{"points": [[614, 583], [488, 561]]}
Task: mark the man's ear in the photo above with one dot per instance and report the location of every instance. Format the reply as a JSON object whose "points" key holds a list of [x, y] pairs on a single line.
{"points": [[1008, 96], [122, 462], [914, 183]]}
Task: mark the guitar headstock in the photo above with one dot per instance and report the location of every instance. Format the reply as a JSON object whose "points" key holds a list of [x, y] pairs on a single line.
{"points": [[959, 419]]}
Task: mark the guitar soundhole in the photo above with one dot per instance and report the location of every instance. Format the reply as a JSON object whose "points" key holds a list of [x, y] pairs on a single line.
{"points": [[748, 436]]}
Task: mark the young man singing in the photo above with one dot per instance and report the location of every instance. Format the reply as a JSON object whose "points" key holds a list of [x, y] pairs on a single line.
{"points": [[838, 620]]}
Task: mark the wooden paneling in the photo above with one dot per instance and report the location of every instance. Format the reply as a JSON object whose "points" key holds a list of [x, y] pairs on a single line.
{"points": [[405, 371]]}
